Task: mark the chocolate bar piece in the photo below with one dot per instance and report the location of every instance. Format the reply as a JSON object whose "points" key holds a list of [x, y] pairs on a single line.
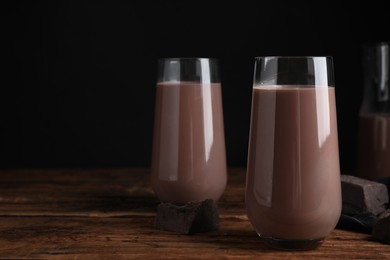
{"points": [[381, 229], [361, 196], [190, 218]]}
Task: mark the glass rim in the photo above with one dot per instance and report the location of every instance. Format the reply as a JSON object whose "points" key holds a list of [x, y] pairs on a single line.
{"points": [[186, 58], [293, 70], [293, 57]]}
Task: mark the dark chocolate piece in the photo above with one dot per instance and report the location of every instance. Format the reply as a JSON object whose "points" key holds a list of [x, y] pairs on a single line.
{"points": [[190, 218], [362, 223], [381, 229], [361, 196], [385, 181]]}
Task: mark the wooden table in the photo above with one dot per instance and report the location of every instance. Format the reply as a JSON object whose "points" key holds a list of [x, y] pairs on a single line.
{"points": [[109, 214]]}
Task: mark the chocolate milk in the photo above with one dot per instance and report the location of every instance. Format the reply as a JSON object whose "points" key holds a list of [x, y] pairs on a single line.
{"points": [[293, 178], [188, 160], [374, 146]]}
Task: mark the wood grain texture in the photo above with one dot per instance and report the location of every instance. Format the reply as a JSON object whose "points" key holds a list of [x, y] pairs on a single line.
{"points": [[109, 214]]}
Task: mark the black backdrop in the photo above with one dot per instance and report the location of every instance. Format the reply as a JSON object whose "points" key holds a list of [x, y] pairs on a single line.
{"points": [[77, 77]]}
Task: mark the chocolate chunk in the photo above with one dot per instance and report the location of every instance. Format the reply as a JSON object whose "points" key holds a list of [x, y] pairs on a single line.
{"points": [[360, 195], [385, 181], [381, 229], [362, 222], [190, 218], [384, 214]]}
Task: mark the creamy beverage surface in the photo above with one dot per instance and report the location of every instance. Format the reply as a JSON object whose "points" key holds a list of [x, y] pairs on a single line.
{"points": [[189, 157], [373, 158], [293, 176]]}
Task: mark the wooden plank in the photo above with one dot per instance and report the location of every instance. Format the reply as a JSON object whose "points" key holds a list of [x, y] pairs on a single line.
{"points": [[75, 192], [91, 192], [135, 237], [109, 213]]}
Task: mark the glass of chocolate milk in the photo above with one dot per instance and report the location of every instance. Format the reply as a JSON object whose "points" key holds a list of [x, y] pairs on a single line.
{"points": [[293, 189], [188, 157], [373, 157]]}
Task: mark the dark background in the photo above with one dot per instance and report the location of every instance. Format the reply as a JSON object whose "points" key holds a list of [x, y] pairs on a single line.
{"points": [[78, 77]]}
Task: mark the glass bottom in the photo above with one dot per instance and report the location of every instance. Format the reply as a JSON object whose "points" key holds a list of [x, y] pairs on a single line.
{"points": [[292, 245]]}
